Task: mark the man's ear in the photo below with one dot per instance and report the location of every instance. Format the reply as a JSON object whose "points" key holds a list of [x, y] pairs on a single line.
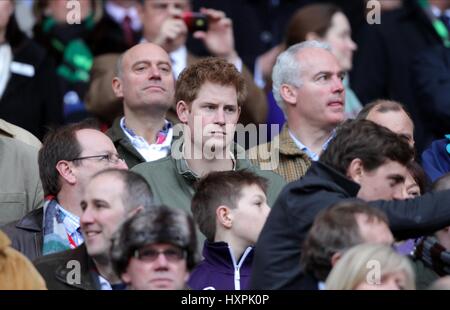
{"points": [[135, 211], [183, 111], [224, 216], [355, 170], [289, 94], [66, 172], [126, 277], [335, 258], [117, 87], [313, 36]]}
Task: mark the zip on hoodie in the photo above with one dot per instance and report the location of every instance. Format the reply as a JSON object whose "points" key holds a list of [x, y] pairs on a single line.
{"points": [[237, 267]]}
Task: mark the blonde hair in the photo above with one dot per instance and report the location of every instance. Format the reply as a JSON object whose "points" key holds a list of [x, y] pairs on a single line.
{"points": [[16, 271], [353, 267]]}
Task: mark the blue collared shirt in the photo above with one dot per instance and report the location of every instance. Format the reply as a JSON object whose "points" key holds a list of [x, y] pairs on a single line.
{"points": [[311, 154], [72, 225], [104, 284]]}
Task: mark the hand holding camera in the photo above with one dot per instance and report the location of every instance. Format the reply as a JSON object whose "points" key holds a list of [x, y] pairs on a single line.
{"points": [[195, 21], [210, 26], [219, 38]]}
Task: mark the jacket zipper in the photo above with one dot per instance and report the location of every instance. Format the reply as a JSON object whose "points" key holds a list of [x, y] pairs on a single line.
{"points": [[237, 267]]}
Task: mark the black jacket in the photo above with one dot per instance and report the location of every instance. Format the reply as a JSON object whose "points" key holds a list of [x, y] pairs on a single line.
{"points": [[382, 66], [26, 234], [108, 37], [60, 270], [431, 81], [276, 264], [32, 102]]}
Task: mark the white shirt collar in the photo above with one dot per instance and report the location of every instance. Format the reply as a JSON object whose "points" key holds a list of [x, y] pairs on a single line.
{"points": [[179, 60], [104, 284], [313, 156], [150, 152], [6, 57], [321, 286], [118, 13]]}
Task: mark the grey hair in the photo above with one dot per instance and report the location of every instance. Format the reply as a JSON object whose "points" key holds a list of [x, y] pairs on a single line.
{"points": [[287, 69], [136, 190]]}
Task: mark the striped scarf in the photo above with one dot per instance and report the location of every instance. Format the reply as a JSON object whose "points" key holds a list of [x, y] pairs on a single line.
{"points": [[433, 255]]}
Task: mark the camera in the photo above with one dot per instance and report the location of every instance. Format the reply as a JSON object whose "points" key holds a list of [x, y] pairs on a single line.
{"points": [[195, 21]]}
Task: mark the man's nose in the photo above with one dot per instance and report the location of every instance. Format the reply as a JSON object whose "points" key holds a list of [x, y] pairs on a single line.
{"points": [[400, 194], [220, 117], [161, 260], [121, 164], [86, 216], [154, 73], [338, 86]]}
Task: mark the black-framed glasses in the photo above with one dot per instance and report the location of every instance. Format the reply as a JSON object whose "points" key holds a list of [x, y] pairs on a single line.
{"points": [[111, 158], [173, 254]]}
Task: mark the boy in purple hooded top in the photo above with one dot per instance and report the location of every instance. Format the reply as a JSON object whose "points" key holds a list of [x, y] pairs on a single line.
{"points": [[230, 209]]}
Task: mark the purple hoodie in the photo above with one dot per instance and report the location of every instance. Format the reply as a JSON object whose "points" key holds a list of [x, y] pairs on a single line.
{"points": [[219, 270]]}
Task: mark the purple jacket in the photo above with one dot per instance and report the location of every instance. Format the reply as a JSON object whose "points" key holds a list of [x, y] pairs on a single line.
{"points": [[219, 269]]}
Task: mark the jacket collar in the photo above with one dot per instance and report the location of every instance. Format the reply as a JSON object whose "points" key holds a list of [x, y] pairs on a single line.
{"points": [[88, 276], [288, 146], [32, 220], [118, 137], [5, 129], [115, 132], [326, 172], [183, 168], [219, 255]]}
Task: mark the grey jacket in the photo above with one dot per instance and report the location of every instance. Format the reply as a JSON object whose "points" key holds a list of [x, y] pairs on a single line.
{"points": [[172, 182], [20, 186]]}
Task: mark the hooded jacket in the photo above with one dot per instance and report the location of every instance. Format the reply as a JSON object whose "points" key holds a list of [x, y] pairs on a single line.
{"points": [[219, 270]]}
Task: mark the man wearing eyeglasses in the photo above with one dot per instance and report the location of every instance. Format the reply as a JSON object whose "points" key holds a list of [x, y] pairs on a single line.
{"points": [[69, 157], [112, 196], [155, 250]]}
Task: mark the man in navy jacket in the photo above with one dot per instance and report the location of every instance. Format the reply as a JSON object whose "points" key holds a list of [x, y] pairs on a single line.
{"points": [[363, 161]]}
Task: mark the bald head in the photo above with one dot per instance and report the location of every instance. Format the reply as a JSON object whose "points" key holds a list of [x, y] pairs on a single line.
{"points": [[137, 49], [396, 121], [390, 114], [145, 79]]}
